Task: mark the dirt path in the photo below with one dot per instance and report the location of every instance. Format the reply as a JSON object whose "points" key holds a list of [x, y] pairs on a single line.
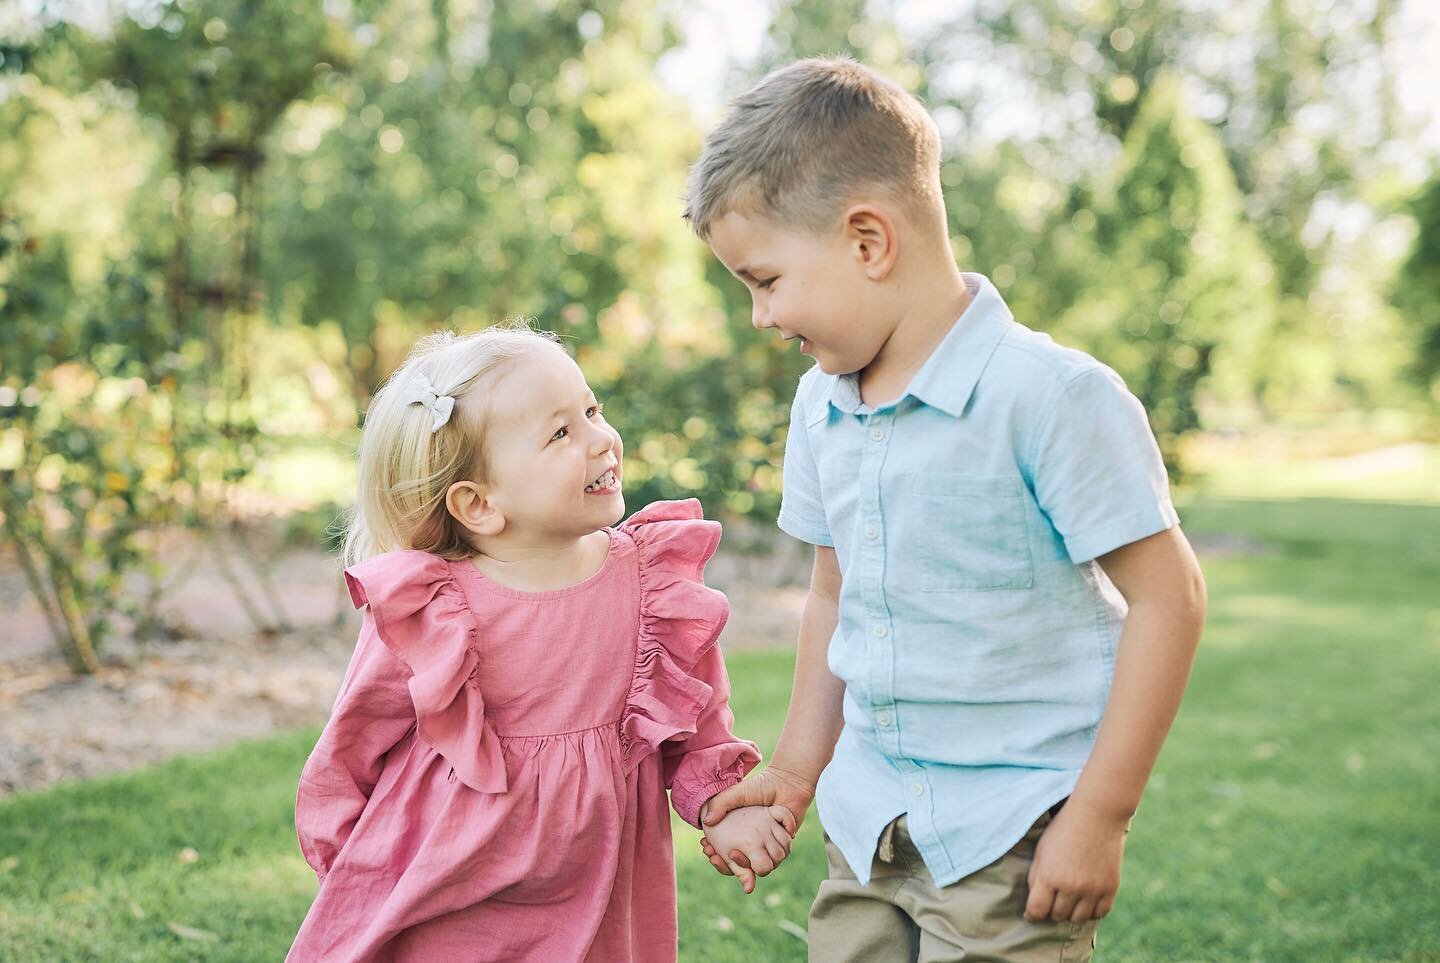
{"points": [[224, 682]]}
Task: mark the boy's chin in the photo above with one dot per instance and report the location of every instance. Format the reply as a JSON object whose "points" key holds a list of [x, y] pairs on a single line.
{"points": [[835, 366]]}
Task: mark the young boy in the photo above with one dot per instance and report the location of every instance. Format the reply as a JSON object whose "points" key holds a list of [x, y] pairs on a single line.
{"points": [[1003, 613]]}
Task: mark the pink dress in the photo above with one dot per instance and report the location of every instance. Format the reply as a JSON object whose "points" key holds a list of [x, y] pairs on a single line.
{"points": [[491, 784]]}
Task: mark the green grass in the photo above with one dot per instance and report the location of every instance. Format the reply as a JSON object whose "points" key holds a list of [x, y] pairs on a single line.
{"points": [[1292, 817]]}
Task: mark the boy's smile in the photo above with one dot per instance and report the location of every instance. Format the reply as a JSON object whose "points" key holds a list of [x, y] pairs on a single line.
{"points": [[806, 286]]}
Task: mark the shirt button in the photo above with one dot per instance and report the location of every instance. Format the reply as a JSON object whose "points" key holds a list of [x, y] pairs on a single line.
{"points": [[879, 631], [918, 789], [882, 719], [872, 533], [877, 433]]}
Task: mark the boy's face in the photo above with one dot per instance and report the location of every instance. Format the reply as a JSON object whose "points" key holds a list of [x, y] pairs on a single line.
{"points": [[808, 287]]}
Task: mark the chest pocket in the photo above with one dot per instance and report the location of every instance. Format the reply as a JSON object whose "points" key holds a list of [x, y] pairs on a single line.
{"points": [[971, 533]]}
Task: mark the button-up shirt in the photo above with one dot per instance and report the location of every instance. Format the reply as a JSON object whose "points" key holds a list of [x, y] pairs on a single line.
{"points": [[977, 634]]}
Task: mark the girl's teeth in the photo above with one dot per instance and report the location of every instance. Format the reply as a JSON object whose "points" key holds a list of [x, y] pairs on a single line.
{"points": [[606, 480]]}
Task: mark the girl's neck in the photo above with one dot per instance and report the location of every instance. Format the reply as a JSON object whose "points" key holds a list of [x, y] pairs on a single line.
{"points": [[542, 567]]}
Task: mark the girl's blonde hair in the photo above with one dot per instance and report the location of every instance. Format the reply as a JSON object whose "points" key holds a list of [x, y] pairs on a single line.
{"points": [[405, 468]]}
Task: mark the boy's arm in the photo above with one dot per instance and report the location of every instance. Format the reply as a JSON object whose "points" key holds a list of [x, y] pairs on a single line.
{"points": [[1076, 870], [813, 721]]}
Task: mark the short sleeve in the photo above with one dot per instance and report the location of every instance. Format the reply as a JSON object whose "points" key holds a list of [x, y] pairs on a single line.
{"points": [[802, 511], [1096, 469]]}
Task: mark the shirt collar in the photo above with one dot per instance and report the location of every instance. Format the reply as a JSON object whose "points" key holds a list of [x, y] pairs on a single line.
{"points": [[949, 376]]}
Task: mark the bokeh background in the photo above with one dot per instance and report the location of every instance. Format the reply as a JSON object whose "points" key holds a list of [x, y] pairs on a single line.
{"points": [[223, 222]]}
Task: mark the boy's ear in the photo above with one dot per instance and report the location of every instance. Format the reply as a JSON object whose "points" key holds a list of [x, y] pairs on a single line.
{"points": [[470, 504], [870, 232]]}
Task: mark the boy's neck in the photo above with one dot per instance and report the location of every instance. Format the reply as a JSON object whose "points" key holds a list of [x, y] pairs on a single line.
{"points": [[932, 311], [531, 565]]}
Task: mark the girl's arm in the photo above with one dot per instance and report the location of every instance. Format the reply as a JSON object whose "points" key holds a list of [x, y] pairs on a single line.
{"points": [[813, 721], [712, 758], [372, 713]]}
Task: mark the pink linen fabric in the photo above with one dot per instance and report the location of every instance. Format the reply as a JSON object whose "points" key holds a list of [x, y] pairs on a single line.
{"points": [[491, 784]]}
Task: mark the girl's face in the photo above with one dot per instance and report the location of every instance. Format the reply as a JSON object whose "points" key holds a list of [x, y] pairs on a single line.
{"points": [[555, 464]]}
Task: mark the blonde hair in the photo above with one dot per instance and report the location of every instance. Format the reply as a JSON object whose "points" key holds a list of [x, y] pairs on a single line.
{"points": [[406, 469], [801, 143]]}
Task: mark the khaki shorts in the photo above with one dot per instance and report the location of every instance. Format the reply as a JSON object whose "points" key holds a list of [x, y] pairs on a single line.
{"points": [[902, 915]]}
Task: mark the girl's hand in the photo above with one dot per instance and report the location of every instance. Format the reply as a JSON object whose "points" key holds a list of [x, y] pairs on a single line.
{"points": [[1076, 870], [772, 786], [755, 839]]}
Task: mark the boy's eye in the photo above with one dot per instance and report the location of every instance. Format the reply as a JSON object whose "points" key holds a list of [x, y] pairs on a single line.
{"points": [[765, 284], [593, 410], [560, 433]]}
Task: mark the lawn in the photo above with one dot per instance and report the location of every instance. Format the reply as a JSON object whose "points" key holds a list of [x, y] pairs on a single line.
{"points": [[1295, 813]]}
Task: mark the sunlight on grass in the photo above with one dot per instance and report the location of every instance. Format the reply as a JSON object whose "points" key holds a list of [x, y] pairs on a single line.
{"points": [[1290, 817], [1406, 471]]}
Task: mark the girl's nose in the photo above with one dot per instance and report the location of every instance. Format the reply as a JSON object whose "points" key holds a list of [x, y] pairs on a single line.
{"points": [[604, 440]]}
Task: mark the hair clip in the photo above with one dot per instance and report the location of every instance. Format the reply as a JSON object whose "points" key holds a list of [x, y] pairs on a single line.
{"points": [[419, 391]]}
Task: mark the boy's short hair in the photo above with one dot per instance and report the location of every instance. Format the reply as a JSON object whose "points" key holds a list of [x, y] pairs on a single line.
{"points": [[803, 141]]}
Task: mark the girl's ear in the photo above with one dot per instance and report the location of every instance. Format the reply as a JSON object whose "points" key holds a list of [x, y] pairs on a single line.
{"points": [[470, 504], [870, 233]]}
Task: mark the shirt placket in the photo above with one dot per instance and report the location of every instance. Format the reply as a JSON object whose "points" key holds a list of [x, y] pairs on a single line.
{"points": [[879, 635], [879, 628]]}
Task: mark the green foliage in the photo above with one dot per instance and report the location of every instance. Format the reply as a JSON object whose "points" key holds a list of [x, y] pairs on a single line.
{"points": [[85, 421], [1177, 294], [1418, 290]]}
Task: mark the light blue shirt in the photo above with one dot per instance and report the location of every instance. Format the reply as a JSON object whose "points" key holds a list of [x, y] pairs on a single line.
{"points": [[977, 634]]}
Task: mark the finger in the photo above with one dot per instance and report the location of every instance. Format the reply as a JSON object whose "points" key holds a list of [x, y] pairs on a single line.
{"points": [[739, 859], [783, 838], [721, 867], [784, 817], [775, 851], [1102, 908], [747, 878], [1083, 911], [721, 803], [1037, 907], [1063, 906], [761, 864]]}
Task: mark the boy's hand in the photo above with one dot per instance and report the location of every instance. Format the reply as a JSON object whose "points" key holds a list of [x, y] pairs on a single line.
{"points": [[1076, 870], [755, 839], [772, 786]]}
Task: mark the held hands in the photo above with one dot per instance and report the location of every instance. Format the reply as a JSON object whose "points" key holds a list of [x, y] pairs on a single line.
{"points": [[1076, 870], [787, 795], [757, 837]]}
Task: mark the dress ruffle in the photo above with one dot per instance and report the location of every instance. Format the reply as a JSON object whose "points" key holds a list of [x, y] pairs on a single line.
{"points": [[421, 615], [680, 619]]}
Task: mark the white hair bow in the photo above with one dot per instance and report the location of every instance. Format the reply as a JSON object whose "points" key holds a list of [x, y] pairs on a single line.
{"points": [[419, 391]]}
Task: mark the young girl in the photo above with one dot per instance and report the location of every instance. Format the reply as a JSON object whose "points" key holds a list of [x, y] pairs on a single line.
{"points": [[528, 682]]}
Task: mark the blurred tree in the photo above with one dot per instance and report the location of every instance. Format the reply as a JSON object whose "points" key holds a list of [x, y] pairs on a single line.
{"points": [[1304, 105], [84, 422], [1418, 290], [1177, 290]]}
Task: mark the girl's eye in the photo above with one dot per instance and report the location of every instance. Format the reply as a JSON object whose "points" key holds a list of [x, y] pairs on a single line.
{"points": [[560, 433], [595, 409], [765, 284]]}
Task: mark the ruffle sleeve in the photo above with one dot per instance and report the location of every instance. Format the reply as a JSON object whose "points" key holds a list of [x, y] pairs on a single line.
{"points": [[680, 700], [421, 615], [680, 619]]}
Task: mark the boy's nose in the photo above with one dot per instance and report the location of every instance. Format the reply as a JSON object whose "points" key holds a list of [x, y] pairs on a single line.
{"points": [[759, 318]]}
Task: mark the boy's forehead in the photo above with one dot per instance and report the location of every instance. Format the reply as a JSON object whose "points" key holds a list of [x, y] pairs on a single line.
{"points": [[742, 242]]}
